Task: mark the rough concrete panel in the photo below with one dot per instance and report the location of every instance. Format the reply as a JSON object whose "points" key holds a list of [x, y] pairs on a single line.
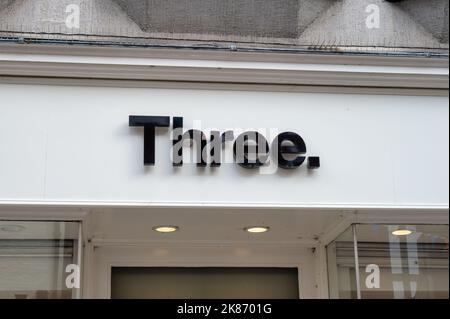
{"points": [[256, 18], [344, 24], [328, 24], [309, 11], [97, 17], [5, 3], [431, 14]]}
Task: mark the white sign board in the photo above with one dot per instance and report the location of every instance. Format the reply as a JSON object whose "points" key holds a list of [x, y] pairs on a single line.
{"points": [[61, 143]]}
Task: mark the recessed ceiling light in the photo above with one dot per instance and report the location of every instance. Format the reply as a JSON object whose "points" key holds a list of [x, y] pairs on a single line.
{"points": [[402, 232], [166, 229], [257, 229], [12, 228]]}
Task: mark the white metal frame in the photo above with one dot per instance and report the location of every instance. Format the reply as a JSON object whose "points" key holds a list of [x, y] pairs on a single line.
{"points": [[284, 71]]}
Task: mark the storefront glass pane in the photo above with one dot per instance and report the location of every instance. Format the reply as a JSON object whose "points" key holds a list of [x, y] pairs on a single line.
{"points": [[341, 267], [394, 261], [39, 260], [403, 262]]}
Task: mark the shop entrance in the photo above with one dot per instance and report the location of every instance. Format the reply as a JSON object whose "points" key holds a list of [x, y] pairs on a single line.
{"points": [[204, 253], [204, 283]]}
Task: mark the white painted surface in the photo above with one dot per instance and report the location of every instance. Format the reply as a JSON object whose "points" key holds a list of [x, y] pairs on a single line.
{"points": [[74, 144], [286, 69], [230, 65]]}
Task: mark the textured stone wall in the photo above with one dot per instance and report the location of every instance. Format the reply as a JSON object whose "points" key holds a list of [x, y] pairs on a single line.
{"points": [[410, 24], [258, 18], [431, 14], [5, 3]]}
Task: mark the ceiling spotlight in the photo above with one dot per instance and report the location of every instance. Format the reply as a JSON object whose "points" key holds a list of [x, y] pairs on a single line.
{"points": [[402, 232], [166, 229], [257, 229], [12, 228]]}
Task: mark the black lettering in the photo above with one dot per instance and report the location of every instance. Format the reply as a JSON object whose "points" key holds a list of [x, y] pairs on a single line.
{"points": [[243, 150], [298, 147], [177, 159], [149, 123], [199, 139], [216, 149]]}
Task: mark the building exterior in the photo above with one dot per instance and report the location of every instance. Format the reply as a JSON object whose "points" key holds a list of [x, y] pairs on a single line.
{"points": [[128, 132]]}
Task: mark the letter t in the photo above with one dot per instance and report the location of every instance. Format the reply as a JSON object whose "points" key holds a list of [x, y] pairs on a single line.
{"points": [[149, 123]]}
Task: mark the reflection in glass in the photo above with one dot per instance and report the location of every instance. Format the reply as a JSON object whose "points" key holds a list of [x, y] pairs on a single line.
{"points": [[38, 260], [395, 262], [341, 267]]}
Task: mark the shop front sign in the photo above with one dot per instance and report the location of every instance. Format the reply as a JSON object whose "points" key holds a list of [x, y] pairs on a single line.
{"points": [[251, 149]]}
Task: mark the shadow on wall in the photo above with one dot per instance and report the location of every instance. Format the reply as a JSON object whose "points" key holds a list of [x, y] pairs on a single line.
{"points": [[257, 18], [431, 14], [254, 18], [5, 3]]}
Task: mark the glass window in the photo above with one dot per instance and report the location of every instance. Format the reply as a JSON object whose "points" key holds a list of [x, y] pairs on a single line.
{"points": [[341, 267], [393, 262], [39, 260]]}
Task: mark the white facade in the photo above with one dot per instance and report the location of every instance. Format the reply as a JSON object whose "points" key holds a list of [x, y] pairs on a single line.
{"points": [[67, 152]]}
